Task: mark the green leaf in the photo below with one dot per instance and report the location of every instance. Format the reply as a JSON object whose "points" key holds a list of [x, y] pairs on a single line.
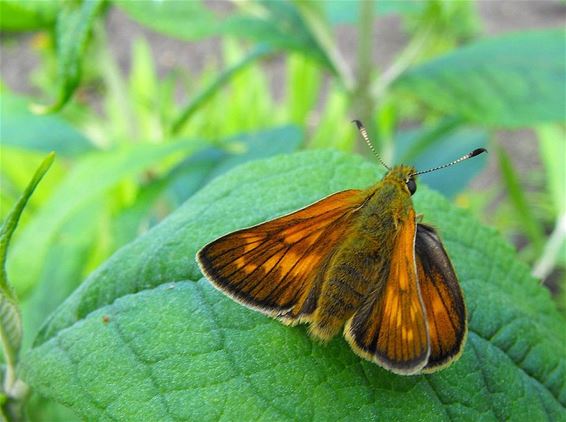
{"points": [[529, 223], [194, 172], [23, 129], [146, 337], [74, 24], [219, 81], [88, 181], [57, 279], [276, 23], [304, 78], [552, 147], [10, 317], [343, 12], [187, 20], [254, 146], [514, 80], [25, 15]]}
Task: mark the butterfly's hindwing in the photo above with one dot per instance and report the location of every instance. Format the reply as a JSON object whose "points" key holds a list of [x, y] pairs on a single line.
{"points": [[390, 328], [442, 297]]}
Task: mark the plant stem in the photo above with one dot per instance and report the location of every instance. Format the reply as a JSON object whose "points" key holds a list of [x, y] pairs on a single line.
{"points": [[547, 261]]}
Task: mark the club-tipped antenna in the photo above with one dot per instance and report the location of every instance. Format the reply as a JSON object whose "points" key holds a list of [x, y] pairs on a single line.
{"points": [[364, 134], [475, 152]]}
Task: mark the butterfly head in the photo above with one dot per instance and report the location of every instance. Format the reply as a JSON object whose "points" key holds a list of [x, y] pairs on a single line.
{"points": [[403, 175]]}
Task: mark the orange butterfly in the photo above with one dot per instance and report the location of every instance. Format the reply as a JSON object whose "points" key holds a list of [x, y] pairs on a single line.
{"points": [[356, 259]]}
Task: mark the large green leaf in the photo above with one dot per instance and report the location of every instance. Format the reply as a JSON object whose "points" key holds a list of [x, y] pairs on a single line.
{"points": [[514, 80], [146, 337], [58, 278]]}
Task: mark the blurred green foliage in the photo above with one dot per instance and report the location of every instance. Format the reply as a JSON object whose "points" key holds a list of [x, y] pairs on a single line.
{"points": [[129, 152]]}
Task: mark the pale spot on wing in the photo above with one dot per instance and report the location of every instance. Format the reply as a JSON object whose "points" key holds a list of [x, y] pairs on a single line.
{"points": [[437, 305], [241, 262], [410, 335], [271, 262], [250, 246], [403, 281], [251, 267], [243, 265], [292, 238], [292, 256], [413, 311]]}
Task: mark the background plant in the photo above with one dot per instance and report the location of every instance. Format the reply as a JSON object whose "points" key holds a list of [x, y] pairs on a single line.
{"points": [[129, 152]]}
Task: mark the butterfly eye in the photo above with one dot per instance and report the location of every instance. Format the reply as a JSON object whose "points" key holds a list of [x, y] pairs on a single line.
{"points": [[411, 185]]}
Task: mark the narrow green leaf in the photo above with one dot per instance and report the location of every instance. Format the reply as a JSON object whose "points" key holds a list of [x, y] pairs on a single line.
{"points": [[303, 87], [222, 79], [91, 178], [552, 147], [324, 44], [144, 91], [514, 80], [10, 317], [331, 132], [529, 223], [144, 338], [74, 25]]}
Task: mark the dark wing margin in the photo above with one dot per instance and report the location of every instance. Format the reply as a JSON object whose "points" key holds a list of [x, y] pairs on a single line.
{"points": [[442, 297], [275, 267]]}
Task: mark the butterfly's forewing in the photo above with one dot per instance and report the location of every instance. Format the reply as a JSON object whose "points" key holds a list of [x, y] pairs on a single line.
{"points": [[442, 297], [275, 267], [390, 328]]}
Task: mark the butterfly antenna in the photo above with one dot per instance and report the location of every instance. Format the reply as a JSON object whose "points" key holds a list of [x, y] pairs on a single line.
{"points": [[364, 134], [465, 157]]}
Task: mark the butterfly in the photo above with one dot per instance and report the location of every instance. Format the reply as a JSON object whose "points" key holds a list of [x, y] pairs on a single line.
{"points": [[357, 261]]}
